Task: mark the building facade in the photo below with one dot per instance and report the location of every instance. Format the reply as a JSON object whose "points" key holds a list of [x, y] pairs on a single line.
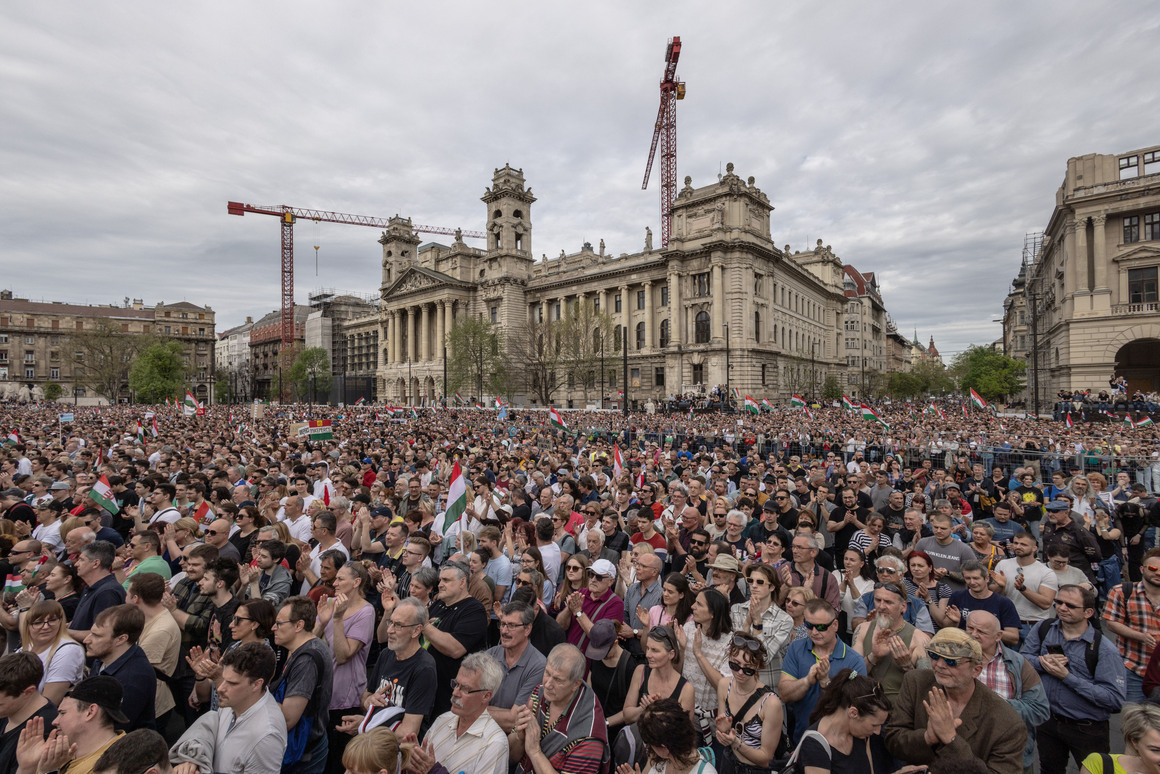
{"points": [[864, 329], [266, 349], [1090, 288], [37, 344], [720, 292], [233, 361]]}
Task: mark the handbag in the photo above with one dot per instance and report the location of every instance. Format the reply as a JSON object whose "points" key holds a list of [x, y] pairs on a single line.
{"points": [[792, 766]]}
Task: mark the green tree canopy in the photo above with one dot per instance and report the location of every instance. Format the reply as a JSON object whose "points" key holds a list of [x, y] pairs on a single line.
{"points": [[927, 377], [158, 372], [988, 372], [310, 373], [52, 390], [476, 357]]}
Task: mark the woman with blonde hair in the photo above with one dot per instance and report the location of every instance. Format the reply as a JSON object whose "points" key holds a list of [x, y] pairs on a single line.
{"points": [[377, 751], [43, 632], [795, 604], [1141, 728], [177, 537]]}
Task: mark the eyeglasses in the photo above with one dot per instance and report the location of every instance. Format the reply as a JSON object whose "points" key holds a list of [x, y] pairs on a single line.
{"points": [[212, 532], [44, 623], [276, 624], [593, 575], [779, 497], [517, 625], [736, 667], [238, 619], [758, 582], [951, 662], [1068, 605], [1152, 567], [521, 582], [818, 627], [744, 642], [456, 685], [887, 569], [698, 542], [574, 568], [393, 624]]}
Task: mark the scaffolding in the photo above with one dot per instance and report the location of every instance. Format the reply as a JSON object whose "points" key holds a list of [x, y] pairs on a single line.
{"points": [[1032, 244]]}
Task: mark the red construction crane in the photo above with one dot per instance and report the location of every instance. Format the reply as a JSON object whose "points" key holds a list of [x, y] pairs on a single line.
{"points": [[665, 133], [288, 216]]}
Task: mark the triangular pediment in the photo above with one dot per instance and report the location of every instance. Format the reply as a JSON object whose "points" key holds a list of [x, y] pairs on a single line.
{"points": [[1144, 252], [417, 278]]}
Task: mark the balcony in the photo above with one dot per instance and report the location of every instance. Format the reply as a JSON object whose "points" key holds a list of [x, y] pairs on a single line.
{"points": [[1148, 307]]}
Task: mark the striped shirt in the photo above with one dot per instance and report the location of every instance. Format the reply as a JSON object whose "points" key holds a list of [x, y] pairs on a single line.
{"points": [[482, 748], [1137, 613]]}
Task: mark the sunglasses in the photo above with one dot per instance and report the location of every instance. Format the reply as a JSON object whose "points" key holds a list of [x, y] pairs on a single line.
{"points": [[1152, 567], [743, 642], [238, 619], [818, 627], [596, 576], [736, 667], [691, 542], [887, 569], [951, 662], [1068, 605]]}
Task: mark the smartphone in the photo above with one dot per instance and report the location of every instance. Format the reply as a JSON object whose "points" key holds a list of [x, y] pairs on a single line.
{"points": [[1055, 650]]}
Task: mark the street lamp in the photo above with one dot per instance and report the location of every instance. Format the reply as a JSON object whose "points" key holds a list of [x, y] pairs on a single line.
{"points": [[624, 348], [602, 384], [728, 394]]}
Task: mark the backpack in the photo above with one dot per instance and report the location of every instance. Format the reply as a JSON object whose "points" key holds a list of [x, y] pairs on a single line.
{"points": [[791, 765]]}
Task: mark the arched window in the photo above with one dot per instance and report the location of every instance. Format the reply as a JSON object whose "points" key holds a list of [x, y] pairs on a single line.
{"points": [[666, 336], [757, 327], [702, 328], [640, 335]]}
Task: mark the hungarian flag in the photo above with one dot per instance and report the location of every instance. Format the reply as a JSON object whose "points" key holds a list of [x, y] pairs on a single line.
{"points": [[459, 400], [848, 404], [414, 413], [360, 402], [478, 405], [140, 432], [190, 406], [736, 394], [751, 405], [796, 401], [1129, 421], [13, 583], [1068, 422], [102, 495], [978, 399], [767, 405], [640, 479], [326, 495], [556, 419], [456, 497], [498, 403], [869, 413], [154, 426], [809, 413], [12, 438], [203, 515], [617, 464], [690, 413], [1145, 422]]}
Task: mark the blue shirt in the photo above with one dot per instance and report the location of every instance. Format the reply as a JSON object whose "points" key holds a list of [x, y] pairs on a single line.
{"points": [[996, 604], [799, 660], [1080, 695], [103, 594], [1004, 530]]}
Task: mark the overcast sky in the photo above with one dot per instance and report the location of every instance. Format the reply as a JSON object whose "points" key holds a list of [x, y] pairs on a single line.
{"points": [[920, 140]]}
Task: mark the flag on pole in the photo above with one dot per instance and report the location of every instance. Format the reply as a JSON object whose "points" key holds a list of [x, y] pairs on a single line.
{"points": [[809, 413], [140, 432], [203, 515], [736, 394], [848, 404], [1129, 421], [796, 401], [640, 479], [154, 425], [690, 413], [190, 407], [360, 402], [617, 464], [767, 405], [498, 403], [1068, 421], [12, 438], [456, 497], [459, 399], [1145, 422], [556, 419], [414, 413], [751, 405], [977, 399], [102, 495], [869, 413]]}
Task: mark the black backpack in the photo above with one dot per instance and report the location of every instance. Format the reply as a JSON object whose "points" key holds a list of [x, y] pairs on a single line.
{"points": [[1091, 654]]}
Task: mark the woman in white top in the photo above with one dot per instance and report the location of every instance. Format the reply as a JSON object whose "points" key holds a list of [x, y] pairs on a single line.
{"points": [[704, 641], [43, 632], [854, 580]]}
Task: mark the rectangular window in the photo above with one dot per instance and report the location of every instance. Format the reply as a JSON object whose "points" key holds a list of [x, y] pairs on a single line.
{"points": [[1152, 226], [617, 305], [54, 373], [634, 377], [1142, 286], [640, 299], [54, 355], [3, 338], [596, 304], [1131, 229], [698, 373], [167, 330], [3, 357], [29, 373], [201, 331], [29, 339], [664, 295], [1129, 167], [612, 378], [557, 309], [1151, 162], [659, 376], [495, 314], [702, 286], [29, 357]]}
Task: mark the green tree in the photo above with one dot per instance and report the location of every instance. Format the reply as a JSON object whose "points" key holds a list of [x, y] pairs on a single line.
{"points": [[832, 388], [158, 372], [310, 373], [476, 356], [102, 356], [988, 372], [52, 390], [581, 333], [221, 386], [538, 348], [933, 377]]}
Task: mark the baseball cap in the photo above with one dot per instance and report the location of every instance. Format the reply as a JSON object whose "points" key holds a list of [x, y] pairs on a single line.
{"points": [[603, 567], [382, 510], [105, 692], [59, 486], [600, 639], [1058, 505], [955, 643]]}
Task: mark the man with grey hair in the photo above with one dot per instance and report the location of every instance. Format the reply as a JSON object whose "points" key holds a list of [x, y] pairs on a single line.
{"points": [[404, 677], [595, 546], [578, 739], [467, 738], [522, 665], [892, 569], [458, 626]]}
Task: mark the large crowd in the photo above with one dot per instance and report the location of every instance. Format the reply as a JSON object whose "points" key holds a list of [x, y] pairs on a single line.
{"points": [[462, 590]]}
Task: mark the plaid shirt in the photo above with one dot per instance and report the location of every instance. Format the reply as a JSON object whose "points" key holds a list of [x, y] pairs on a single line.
{"points": [[1137, 614], [200, 610], [996, 677]]}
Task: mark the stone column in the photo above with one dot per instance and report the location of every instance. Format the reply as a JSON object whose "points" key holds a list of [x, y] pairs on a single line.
{"points": [[410, 334], [718, 280], [440, 329], [1099, 250], [423, 333], [603, 296], [649, 338], [447, 321], [675, 307], [396, 332], [389, 335], [625, 317], [1079, 254], [545, 309]]}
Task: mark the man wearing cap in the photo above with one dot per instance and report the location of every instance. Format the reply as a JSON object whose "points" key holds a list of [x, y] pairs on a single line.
{"points": [[85, 721], [113, 643], [946, 714], [248, 731], [369, 535], [589, 605], [14, 508], [522, 664], [48, 523], [1062, 530]]}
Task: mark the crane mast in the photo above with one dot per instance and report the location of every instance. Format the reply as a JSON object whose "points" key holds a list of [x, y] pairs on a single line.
{"points": [[665, 136]]}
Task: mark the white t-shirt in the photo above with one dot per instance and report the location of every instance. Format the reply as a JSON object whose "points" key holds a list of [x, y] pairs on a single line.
{"points": [[166, 516], [1035, 576], [49, 534], [552, 558], [67, 664]]}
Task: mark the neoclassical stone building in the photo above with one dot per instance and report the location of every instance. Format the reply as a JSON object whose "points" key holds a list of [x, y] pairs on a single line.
{"points": [[721, 289], [1089, 290]]}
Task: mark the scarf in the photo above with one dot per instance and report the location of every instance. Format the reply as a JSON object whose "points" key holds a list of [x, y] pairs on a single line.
{"points": [[584, 719]]}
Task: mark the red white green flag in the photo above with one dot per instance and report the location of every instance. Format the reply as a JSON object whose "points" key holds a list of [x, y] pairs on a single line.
{"points": [[1145, 422], [617, 463], [1129, 421], [796, 401], [556, 419], [456, 497], [190, 406], [977, 399], [765, 404], [751, 405], [1068, 421], [869, 413], [203, 514], [102, 495], [848, 404]]}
